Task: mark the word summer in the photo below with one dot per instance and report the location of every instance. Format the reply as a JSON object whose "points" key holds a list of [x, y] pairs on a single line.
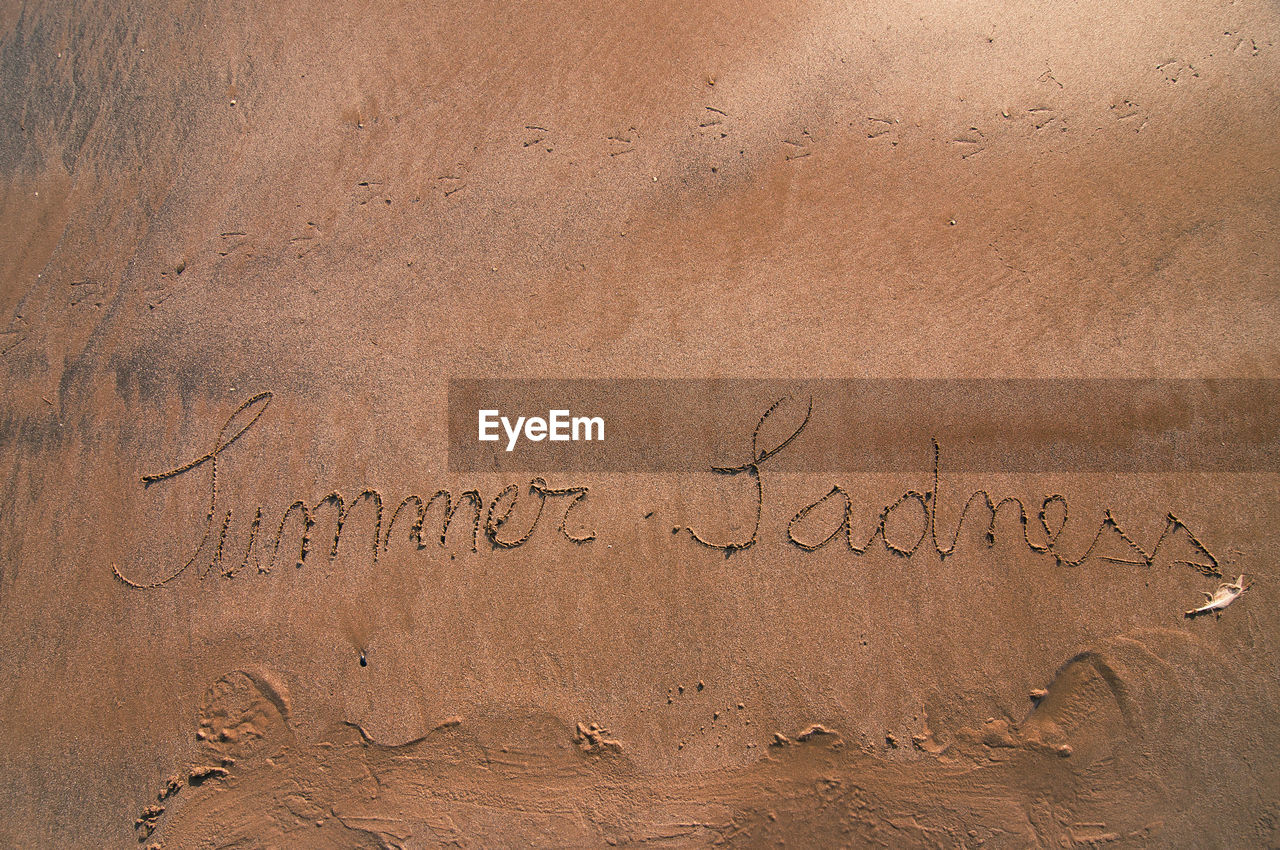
{"points": [[212, 552], [559, 426], [808, 530]]}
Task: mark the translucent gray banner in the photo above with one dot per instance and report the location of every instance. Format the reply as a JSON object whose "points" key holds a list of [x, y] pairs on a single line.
{"points": [[865, 425]]}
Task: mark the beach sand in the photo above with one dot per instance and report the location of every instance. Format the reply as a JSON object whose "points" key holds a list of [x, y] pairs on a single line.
{"points": [[346, 206]]}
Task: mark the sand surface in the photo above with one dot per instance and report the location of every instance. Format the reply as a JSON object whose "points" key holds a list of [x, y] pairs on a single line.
{"points": [[310, 218]]}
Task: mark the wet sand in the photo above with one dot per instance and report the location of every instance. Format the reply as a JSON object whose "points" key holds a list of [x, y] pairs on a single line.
{"points": [[339, 211]]}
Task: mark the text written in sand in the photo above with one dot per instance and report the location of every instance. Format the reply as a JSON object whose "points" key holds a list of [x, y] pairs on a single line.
{"points": [[491, 517]]}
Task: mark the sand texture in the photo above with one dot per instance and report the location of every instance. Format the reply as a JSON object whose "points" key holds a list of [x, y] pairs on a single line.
{"points": [[246, 248]]}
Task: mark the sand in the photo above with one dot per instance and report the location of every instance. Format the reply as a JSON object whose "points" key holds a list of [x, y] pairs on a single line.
{"points": [[318, 216]]}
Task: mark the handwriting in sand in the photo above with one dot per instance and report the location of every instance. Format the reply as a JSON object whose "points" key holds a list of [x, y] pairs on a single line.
{"points": [[492, 516]]}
